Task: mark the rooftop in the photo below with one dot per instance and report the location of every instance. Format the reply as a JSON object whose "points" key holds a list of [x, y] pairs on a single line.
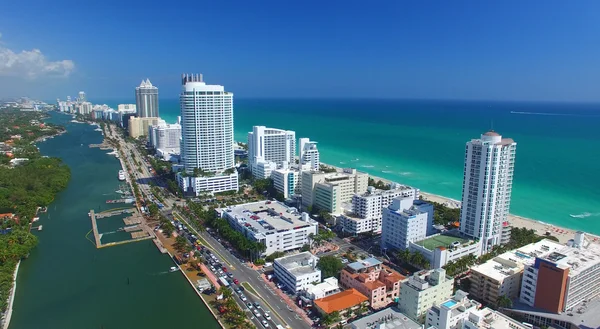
{"points": [[491, 133], [268, 217], [329, 284], [363, 264], [488, 318], [512, 262], [577, 259], [372, 192], [391, 318], [341, 301], [299, 264], [585, 315], [440, 240]]}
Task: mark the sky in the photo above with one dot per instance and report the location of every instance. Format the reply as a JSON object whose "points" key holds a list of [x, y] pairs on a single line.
{"points": [[492, 50]]}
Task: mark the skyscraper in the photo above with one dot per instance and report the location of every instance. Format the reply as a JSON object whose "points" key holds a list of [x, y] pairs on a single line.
{"points": [[81, 97], [270, 145], [487, 186], [146, 99], [207, 136]]}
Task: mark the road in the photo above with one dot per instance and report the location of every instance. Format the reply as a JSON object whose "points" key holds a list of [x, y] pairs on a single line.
{"points": [[281, 314]]}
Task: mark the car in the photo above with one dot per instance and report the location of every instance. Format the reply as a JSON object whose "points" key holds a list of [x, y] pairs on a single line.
{"points": [[249, 306], [236, 281], [344, 260], [265, 324], [267, 316], [257, 305], [230, 275], [220, 272], [257, 313], [224, 269], [243, 298], [237, 290]]}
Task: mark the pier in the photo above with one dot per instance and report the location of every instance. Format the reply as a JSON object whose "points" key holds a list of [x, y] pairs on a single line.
{"points": [[138, 232]]}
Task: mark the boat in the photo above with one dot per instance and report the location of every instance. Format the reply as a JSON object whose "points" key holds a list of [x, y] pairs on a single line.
{"points": [[121, 175], [173, 269]]}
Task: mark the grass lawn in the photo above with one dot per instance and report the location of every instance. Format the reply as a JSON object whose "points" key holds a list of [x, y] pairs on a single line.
{"points": [[248, 287], [439, 241]]}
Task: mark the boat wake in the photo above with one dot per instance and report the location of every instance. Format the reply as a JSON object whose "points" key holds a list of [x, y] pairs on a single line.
{"points": [[584, 215], [552, 114], [387, 171], [405, 173], [353, 160], [342, 162], [368, 166]]}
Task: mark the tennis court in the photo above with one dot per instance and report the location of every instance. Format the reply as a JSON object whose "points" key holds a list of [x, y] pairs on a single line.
{"points": [[439, 241]]}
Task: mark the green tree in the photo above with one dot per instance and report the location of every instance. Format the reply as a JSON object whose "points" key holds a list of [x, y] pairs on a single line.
{"points": [[504, 302], [330, 266], [180, 243]]}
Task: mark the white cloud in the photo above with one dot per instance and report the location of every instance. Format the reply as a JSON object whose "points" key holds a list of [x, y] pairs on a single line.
{"points": [[31, 64]]}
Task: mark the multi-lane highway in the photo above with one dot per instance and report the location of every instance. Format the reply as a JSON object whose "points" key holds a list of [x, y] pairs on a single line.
{"points": [[280, 312]]}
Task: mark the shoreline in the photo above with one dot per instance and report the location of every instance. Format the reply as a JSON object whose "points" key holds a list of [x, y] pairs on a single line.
{"points": [[11, 299], [563, 234]]}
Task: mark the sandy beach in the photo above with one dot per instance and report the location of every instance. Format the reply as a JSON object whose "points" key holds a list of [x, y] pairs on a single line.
{"points": [[563, 234]]}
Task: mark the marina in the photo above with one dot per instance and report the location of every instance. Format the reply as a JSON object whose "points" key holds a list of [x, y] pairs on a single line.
{"points": [[138, 233]]}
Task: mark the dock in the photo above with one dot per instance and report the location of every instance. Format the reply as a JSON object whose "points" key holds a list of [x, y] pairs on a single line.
{"points": [[128, 200], [160, 246], [138, 232], [114, 213]]}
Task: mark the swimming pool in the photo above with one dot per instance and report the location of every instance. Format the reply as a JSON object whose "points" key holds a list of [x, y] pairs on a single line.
{"points": [[449, 303]]}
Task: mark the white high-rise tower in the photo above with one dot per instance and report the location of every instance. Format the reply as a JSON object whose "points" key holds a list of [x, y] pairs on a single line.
{"points": [[207, 136], [487, 186], [146, 99], [309, 154]]}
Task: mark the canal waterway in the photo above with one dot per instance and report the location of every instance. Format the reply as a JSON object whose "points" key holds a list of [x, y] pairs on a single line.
{"points": [[68, 283]]}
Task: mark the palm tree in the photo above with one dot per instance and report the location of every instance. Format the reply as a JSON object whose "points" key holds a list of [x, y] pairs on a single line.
{"points": [[504, 302], [404, 255], [225, 292]]}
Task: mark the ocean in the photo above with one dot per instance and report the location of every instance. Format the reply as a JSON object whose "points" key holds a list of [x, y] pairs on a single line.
{"points": [[422, 143]]}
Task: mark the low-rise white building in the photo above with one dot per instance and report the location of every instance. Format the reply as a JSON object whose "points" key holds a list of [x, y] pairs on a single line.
{"points": [[286, 181], [275, 225], [263, 169], [452, 312], [366, 215], [404, 221], [440, 249], [328, 287], [297, 272], [423, 290], [327, 191], [215, 183]]}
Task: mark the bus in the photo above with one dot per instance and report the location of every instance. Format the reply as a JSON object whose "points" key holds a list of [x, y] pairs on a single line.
{"points": [[223, 281]]}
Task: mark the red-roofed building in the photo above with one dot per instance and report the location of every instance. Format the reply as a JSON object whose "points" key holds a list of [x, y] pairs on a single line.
{"points": [[341, 302], [374, 280]]}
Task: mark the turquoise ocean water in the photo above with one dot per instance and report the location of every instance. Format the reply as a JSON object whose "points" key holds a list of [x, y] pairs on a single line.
{"points": [[421, 143]]}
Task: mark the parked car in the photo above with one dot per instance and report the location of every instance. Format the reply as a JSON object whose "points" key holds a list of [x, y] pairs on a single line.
{"points": [[243, 298], [236, 281], [249, 306], [265, 324]]}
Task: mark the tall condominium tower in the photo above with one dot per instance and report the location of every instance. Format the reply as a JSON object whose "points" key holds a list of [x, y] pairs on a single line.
{"points": [[270, 145], [207, 136], [81, 97], [487, 185], [309, 154], [146, 100]]}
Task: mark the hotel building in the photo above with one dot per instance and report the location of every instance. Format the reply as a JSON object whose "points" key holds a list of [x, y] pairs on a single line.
{"points": [[297, 272], [207, 136], [286, 181], [275, 225], [487, 187], [165, 138], [327, 191], [423, 290], [146, 99], [140, 126], [270, 145], [379, 283]]}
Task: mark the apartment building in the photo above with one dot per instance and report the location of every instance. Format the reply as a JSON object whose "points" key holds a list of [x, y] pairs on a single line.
{"points": [[423, 290], [328, 287], [140, 126], [501, 276], [327, 191], [297, 272], [487, 187], [405, 220], [309, 154], [379, 283], [275, 225]]}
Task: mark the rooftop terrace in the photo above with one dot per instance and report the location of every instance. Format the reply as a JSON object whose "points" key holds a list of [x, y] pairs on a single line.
{"points": [[299, 264]]}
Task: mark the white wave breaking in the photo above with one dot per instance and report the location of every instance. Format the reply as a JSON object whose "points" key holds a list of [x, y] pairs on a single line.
{"points": [[585, 215]]}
